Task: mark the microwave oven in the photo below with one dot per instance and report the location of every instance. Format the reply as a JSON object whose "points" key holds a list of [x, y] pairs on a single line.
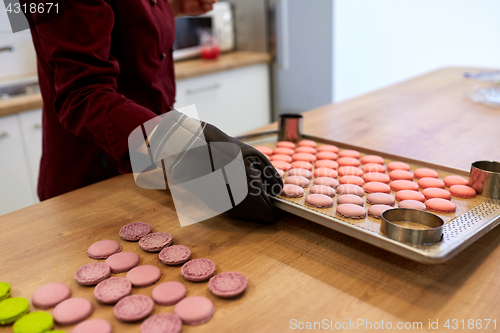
{"points": [[218, 21]]}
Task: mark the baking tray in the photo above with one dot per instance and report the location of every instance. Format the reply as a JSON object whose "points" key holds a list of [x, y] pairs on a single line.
{"points": [[472, 219]]}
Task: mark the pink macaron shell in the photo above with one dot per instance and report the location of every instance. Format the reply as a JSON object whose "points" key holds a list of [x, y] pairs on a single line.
{"points": [[264, 150], [200, 269], [307, 143], [281, 173], [400, 175], [93, 326], [285, 144], [462, 191], [227, 284], [352, 180], [281, 157], [326, 164], [300, 172], [72, 311], [285, 166], [304, 157], [350, 171], [319, 201], [112, 290], [325, 172], [135, 231], [377, 210], [400, 185], [376, 177], [367, 159], [162, 323], [195, 310], [412, 204], [103, 249], [143, 275], [454, 180], [350, 199], [327, 181], [348, 161], [380, 199], [133, 308], [349, 153], [350, 189], [122, 261], [282, 151], [432, 192], [155, 241], [91, 274], [440, 205], [175, 255], [373, 167], [302, 165], [332, 148], [426, 182], [404, 195], [322, 189], [292, 191], [168, 293], [396, 165], [297, 180], [49, 295], [377, 187], [425, 173], [326, 155], [351, 211], [305, 149]]}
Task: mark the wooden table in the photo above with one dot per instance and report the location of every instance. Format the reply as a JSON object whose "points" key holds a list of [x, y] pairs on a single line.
{"points": [[296, 270]]}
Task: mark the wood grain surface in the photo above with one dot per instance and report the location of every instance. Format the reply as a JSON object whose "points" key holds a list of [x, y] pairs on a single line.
{"points": [[297, 270]]}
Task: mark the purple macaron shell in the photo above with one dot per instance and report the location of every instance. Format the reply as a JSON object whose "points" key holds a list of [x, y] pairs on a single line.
{"points": [[112, 290], [122, 261], [49, 295], [103, 249], [72, 311], [198, 269], [133, 308], [93, 326], [162, 323], [195, 310], [155, 242], [228, 284], [175, 255], [135, 231], [168, 293], [144, 275], [93, 273]]}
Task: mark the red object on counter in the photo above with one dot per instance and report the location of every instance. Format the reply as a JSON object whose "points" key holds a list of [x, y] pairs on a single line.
{"points": [[210, 52]]}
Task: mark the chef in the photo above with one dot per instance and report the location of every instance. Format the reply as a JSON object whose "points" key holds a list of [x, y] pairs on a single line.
{"points": [[105, 67]]}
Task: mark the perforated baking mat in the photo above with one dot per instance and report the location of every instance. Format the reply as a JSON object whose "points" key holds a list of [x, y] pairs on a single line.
{"points": [[472, 219]]}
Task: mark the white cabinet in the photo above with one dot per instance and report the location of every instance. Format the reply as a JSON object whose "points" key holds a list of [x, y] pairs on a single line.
{"points": [[235, 100], [15, 189], [31, 131]]}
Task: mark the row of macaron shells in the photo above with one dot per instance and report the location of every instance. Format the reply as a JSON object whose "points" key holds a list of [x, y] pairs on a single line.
{"points": [[372, 176], [117, 290]]}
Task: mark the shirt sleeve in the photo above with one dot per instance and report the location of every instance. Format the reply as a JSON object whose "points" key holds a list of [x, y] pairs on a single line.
{"points": [[77, 47]]}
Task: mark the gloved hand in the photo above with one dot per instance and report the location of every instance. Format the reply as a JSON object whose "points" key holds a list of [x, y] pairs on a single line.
{"points": [[188, 149]]}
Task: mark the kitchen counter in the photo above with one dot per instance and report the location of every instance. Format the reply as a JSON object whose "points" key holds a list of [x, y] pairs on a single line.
{"points": [[183, 70], [298, 271]]}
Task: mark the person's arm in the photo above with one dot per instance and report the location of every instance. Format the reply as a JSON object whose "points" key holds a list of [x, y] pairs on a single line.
{"points": [[76, 45], [191, 7]]}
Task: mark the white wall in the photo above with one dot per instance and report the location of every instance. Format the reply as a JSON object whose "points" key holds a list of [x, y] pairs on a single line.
{"points": [[381, 42]]}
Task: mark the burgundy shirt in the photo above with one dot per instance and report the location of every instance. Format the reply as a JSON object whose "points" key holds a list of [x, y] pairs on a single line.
{"points": [[104, 68]]}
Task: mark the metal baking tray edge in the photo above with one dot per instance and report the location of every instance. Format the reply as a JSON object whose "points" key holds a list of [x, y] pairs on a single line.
{"points": [[420, 253]]}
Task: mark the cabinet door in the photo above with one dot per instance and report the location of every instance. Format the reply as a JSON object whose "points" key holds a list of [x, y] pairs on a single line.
{"points": [[31, 131], [15, 190], [236, 100]]}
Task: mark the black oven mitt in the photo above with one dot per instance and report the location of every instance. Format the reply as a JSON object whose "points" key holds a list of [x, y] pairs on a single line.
{"points": [[185, 139]]}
